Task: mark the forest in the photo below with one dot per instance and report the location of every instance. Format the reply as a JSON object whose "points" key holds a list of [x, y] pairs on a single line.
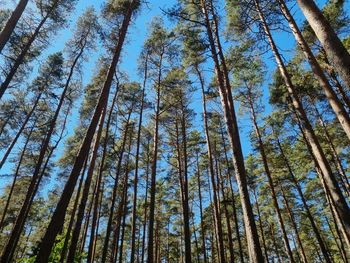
{"points": [[204, 131]]}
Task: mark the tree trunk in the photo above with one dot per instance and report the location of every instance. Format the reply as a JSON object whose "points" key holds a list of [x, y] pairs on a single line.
{"points": [[204, 249], [85, 195], [150, 255], [305, 204], [254, 248], [11, 23], [59, 214], [19, 132], [133, 223], [182, 170], [261, 148], [115, 189], [336, 52], [15, 178], [332, 97], [217, 218], [92, 240], [337, 198], [71, 220], [294, 225]]}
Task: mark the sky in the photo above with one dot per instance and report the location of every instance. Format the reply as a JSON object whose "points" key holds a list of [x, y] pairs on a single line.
{"points": [[131, 50]]}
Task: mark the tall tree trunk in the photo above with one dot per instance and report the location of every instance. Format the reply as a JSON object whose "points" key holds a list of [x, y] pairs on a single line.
{"points": [[92, 240], [4, 212], [261, 148], [234, 206], [115, 189], [145, 205], [19, 132], [60, 211], [134, 204], [332, 97], [337, 198], [85, 195], [336, 52], [150, 254], [227, 214], [71, 220], [254, 248], [305, 204], [217, 218], [203, 234], [261, 225], [182, 170], [294, 225], [11, 23]]}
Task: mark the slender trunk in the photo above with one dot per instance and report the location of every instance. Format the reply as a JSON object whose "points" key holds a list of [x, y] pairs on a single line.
{"points": [[203, 234], [60, 211], [305, 204], [92, 241], [234, 207], [340, 244], [71, 220], [134, 208], [217, 218], [19, 132], [11, 23], [335, 155], [227, 215], [124, 214], [261, 148], [272, 232], [115, 189], [85, 195], [294, 225], [86, 225], [254, 248], [15, 178], [150, 251], [332, 97], [337, 198], [145, 206], [182, 170], [336, 52], [261, 226]]}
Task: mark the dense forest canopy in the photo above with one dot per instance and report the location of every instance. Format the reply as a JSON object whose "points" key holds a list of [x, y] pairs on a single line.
{"points": [[176, 131]]}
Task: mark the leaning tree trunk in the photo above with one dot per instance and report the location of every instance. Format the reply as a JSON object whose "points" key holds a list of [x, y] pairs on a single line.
{"points": [[337, 198], [86, 191], [59, 214], [332, 97], [336, 52], [253, 242], [11, 23]]}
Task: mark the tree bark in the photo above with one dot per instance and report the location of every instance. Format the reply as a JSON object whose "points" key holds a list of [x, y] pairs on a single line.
{"points": [[336, 52], [11, 23]]}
